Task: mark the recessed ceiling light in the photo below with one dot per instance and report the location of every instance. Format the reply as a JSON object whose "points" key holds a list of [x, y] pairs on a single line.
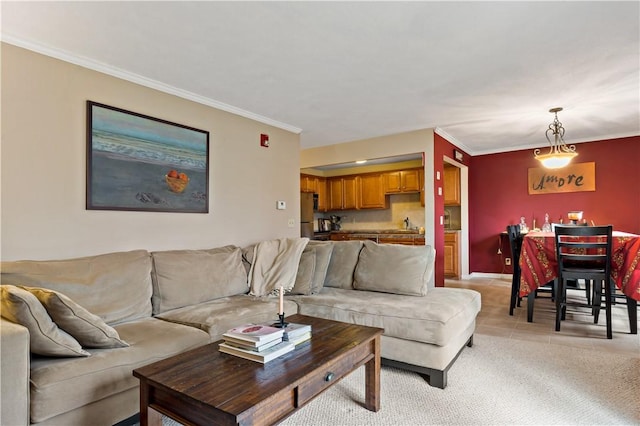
{"points": [[361, 161]]}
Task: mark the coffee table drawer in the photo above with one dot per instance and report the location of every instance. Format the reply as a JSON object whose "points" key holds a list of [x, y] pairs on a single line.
{"points": [[328, 374]]}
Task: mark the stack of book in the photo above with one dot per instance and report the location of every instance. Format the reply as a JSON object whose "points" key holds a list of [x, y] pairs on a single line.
{"points": [[297, 333], [256, 342]]}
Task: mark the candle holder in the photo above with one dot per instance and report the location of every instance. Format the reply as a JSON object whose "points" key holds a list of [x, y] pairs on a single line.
{"points": [[281, 323]]}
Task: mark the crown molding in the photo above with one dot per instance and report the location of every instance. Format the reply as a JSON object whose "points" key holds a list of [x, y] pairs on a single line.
{"points": [[453, 140], [546, 145], [143, 81]]}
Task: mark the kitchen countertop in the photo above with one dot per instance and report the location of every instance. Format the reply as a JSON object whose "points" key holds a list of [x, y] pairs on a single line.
{"points": [[378, 231]]}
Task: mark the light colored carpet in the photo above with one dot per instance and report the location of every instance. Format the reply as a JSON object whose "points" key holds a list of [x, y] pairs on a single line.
{"points": [[497, 381]]}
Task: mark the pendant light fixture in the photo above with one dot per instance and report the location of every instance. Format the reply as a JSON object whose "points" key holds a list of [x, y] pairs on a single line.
{"points": [[559, 154]]}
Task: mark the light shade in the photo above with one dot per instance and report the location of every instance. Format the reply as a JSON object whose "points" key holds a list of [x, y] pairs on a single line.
{"points": [[557, 160], [559, 155]]}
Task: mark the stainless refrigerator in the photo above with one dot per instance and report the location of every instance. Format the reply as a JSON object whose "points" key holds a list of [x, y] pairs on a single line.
{"points": [[307, 202]]}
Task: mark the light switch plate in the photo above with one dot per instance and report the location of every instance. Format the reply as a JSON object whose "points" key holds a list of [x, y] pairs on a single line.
{"points": [[281, 205]]}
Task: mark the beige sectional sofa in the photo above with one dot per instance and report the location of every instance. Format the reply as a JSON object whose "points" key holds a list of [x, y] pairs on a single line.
{"points": [[164, 303]]}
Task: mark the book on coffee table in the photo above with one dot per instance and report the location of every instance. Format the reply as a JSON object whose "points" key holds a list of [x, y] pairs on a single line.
{"points": [[263, 356], [252, 346], [297, 340], [294, 330], [255, 333]]}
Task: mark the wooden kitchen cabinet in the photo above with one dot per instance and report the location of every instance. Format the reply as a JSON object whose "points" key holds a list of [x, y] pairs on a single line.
{"points": [[307, 183], [402, 181], [451, 255], [343, 193], [339, 237], [451, 185], [317, 185], [421, 177], [334, 188], [321, 190], [404, 240], [380, 238], [350, 192], [371, 193]]}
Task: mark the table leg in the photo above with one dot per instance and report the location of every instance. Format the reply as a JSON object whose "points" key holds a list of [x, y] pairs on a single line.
{"points": [[148, 416], [372, 378]]}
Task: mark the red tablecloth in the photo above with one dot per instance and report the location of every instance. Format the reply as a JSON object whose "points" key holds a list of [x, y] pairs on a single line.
{"points": [[539, 264]]}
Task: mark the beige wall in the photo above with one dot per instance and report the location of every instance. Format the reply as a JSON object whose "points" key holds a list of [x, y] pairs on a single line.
{"points": [[379, 147], [43, 172]]}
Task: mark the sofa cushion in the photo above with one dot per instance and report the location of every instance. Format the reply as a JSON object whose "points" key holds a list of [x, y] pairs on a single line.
{"points": [[219, 315], [435, 318], [323, 249], [88, 329], [106, 372], [393, 268], [187, 277], [306, 269], [45, 338], [343, 264], [114, 286]]}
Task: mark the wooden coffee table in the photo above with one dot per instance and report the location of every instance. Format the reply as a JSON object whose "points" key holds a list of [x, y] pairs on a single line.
{"points": [[204, 386]]}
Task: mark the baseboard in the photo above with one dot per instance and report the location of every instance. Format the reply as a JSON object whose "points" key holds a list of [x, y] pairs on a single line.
{"points": [[488, 275]]}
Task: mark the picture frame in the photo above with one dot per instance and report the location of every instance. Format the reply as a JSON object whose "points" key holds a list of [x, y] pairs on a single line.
{"points": [[140, 163]]}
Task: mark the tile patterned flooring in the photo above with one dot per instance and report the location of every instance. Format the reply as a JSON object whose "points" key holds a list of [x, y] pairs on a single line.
{"points": [[577, 330]]}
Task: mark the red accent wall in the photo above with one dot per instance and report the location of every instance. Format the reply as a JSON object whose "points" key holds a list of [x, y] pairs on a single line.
{"points": [[442, 148], [498, 196]]}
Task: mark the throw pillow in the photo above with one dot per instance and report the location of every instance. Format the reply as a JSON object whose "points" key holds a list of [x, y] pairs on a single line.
{"points": [[394, 268], [275, 263], [306, 269], [45, 338], [187, 277], [342, 264], [323, 257], [88, 329]]}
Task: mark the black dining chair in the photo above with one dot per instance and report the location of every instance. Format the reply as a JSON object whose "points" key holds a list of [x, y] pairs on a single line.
{"points": [[584, 252], [515, 241]]}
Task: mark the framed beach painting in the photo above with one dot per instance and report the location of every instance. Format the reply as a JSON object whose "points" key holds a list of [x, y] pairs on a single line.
{"points": [[140, 163]]}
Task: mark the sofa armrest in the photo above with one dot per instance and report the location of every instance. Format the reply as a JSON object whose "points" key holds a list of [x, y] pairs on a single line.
{"points": [[14, 374]]}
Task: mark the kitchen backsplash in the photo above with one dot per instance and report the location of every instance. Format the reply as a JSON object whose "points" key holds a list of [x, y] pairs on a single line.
{"points": [[401, 206]]}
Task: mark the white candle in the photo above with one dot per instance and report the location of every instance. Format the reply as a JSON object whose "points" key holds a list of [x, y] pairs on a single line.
{"points": [[281, 311]]}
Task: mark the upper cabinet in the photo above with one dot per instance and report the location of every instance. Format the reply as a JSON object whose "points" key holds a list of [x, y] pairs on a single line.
{"points": [[422, 203], [342, 193], [402, 181], [317, 185], [308, 183], [362, 191], [371, 192], [451, 185], [321, 190]]}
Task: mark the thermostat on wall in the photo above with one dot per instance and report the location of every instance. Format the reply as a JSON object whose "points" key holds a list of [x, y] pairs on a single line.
{"points": [[281, 205]]}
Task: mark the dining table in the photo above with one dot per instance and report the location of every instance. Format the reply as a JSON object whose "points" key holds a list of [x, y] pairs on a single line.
{"points": [[539, 265]]}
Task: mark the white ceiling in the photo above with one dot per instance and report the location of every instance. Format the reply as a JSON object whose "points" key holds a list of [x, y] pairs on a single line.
{"points": [[484, 74]]}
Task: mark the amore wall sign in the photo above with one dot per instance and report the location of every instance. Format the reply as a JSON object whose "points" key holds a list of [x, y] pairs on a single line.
{"points": [[573, 178]]}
